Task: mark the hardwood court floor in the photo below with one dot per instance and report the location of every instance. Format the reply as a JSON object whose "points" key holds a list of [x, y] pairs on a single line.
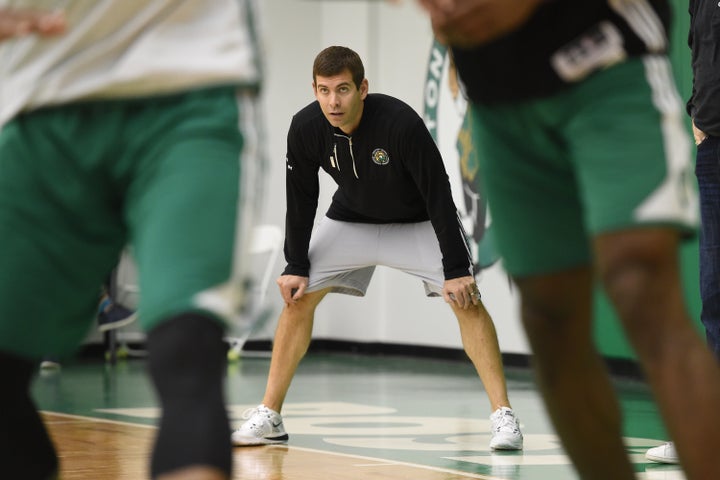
{"points": [[349, 417], [102, 450]]}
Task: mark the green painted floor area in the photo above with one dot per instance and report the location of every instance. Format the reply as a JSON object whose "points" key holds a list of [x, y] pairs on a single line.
{"points": [[413, 410]]}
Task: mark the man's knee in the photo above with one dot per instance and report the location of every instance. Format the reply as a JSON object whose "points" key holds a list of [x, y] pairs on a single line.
{"points": [[304, 307], [637, 266], [637, 282]]}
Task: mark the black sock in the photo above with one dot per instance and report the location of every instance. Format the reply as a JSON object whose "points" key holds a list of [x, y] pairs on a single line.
{"points": [[187, 361], [26, 450]]}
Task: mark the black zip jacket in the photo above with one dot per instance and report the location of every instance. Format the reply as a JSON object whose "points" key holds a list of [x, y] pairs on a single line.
{"points": [[562, 43], [388, 171], [704, 41]]}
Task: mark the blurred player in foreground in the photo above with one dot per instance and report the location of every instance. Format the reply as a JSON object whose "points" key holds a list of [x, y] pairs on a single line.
{"points": [[125, 122], [585, 159]]}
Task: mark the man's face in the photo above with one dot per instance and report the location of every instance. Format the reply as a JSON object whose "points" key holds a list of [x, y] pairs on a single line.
{"points": [[340, 100]]}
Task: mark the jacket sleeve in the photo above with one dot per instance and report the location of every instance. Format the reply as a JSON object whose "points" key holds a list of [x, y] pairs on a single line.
{"points": [[690, 105], [302, 189], [426, 166]]}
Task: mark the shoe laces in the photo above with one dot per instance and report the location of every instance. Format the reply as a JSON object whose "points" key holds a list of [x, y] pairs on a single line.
{"points": [[249, 412], [505, 421], [258, 415]]}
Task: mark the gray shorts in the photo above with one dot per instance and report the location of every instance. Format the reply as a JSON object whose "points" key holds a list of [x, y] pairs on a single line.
{"points": [[343, 255]]}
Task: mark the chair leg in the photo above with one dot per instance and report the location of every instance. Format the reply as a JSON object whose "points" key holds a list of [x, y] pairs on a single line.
{"points": [[111, 346]]}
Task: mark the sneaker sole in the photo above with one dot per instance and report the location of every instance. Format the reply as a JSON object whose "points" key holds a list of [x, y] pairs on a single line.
{"points": [[49, 365], [670, 461], [255, 441], [104, 327], [507, 446]]}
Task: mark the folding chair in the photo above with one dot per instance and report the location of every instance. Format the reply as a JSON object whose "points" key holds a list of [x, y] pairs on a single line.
{"points": [[123, 290], [265, 245]]}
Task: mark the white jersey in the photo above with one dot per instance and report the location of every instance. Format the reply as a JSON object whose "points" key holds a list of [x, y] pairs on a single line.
{"points": [[126, 49]]}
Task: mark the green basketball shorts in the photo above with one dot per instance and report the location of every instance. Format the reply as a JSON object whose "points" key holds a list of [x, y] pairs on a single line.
{"points": [[79, 182], [609, 154]]}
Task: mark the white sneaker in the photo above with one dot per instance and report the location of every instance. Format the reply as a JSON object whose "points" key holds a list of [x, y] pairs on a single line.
{"points": [[50, 363], [663, 454], [263, 426], [506, 434]]}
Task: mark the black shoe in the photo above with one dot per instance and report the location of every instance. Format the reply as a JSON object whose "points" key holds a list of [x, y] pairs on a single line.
{"points": [[112, 316]]}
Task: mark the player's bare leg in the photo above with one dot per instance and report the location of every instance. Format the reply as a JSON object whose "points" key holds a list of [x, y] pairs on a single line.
{"points": [[571, 375], [640, 271]]}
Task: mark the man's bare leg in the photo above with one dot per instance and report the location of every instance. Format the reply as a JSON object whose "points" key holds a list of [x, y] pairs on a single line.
{"points": [[291, 342], [480, 342]]}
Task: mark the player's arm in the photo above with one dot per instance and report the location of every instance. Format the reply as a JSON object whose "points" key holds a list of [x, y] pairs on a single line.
{"points": [[20, 22], [470, 23]]}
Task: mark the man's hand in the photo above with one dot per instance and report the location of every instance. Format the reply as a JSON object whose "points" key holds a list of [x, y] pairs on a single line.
{"points": [[21, 22], [292, 287], [470, 23], [462, 291], [698, 134]]}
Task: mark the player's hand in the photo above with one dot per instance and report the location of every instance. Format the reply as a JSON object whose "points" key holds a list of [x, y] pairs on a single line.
{"points": [[462, 291], [292, 287], [470, 23], [21, 22]]}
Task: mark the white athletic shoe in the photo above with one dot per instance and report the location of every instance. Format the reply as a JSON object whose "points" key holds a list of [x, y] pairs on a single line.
{"points": [[506, 434], [263, 426], [663, 454], [50, 363]]}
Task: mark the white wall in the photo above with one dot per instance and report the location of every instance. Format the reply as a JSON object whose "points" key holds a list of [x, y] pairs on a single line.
{"points": [[394, 42]]}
